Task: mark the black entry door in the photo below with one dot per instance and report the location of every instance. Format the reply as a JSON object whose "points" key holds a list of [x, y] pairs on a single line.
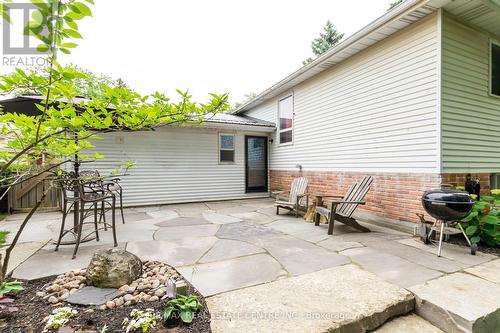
{"points": [[256, 163]]}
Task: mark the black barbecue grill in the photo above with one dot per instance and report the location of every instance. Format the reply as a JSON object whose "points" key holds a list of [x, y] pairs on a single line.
{"points": [[445, 206]]}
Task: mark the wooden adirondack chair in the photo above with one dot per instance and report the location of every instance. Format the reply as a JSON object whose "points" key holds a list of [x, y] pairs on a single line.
{"points": [[342, 210], [295, 195]]}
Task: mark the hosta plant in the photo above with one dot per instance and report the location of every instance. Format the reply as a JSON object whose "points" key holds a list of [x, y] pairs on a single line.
{"points": [[140, 321], [482, 225], [58, 318], [184, 306], [9, 288]]}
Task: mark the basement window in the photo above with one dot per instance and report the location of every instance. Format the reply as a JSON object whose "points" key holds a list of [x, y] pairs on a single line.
{"points": [[226, 148], [495, 69], [285, 121]]}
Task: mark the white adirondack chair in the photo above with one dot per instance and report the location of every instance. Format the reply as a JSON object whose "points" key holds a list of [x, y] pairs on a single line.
{"points": [[342, 208], [295, 197]]}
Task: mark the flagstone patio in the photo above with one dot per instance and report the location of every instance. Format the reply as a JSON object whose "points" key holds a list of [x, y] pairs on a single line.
{"points": [[231, 247]]}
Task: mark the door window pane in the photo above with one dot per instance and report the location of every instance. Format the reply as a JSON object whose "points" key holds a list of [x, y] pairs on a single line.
{"points": [[256, 164]]}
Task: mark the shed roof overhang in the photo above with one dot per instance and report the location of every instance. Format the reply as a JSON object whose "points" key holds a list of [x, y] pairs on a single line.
{"points": [[223, 121]]}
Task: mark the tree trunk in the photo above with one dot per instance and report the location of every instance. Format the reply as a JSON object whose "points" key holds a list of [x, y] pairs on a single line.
{"points": [[4, 265]]}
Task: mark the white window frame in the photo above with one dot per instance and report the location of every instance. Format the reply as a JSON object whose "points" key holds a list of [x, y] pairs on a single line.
{"points": [[289, 95], [220, 148], [490, 50]]}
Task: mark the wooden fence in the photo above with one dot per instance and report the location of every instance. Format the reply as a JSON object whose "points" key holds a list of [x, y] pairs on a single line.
{"points": [[24, 196]]}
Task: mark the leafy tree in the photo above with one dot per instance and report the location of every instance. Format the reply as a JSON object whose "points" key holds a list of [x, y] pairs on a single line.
{"points": [[247, 97], [90, 85], [394, 4], [64, 130], [326, 40]]}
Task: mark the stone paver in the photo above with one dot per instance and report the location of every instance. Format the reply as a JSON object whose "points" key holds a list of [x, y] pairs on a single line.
{"points": [[390, 267], [423, 258], [488, 271], [187, 231], [35, 230], [317, 302], [247, 232], [298, 228], [216, 218], [20, 253], [459, 302], [218, 205], [408, 324], [254, 217], [125, 233], [451, 251], [337, 245], [237, 210], [177, 252], [189, 209], [222, 276], [182, 221], [92, 296], [48, 262], [300, 257], [225, 249], [229, 245], [165, 214]]}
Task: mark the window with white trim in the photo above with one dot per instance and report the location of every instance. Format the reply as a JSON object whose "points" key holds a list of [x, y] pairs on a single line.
{"points": [[495, 68], [226, 148], [285, 119]]}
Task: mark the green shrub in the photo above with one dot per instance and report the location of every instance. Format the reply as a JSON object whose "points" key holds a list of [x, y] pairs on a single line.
{"points": [[482, 225], [13, 287], [185, 306]]}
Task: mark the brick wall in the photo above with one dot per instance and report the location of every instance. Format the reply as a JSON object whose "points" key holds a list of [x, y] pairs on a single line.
{"points": [[458, 179], [392, 195]]}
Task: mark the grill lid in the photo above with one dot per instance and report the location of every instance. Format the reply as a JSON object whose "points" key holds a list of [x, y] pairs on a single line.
{"points": [[447, 196]]}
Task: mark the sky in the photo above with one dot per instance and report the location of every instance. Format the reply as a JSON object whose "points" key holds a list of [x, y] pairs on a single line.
{"points": [[218, 46]]}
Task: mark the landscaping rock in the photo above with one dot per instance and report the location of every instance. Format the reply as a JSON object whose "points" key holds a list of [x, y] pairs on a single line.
{"points": [[92, 296], [345, 299], [113, 268], [459, 302]]}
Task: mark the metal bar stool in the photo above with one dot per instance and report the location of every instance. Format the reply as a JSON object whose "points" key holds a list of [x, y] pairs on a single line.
{"points": [[88, 193], [111, 184]]}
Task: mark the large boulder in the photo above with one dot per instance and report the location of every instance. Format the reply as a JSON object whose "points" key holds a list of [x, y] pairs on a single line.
{"points": [[113, 268]]}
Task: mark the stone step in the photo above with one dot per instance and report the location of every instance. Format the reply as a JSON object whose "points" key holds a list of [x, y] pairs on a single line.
{"points": [[459, 302], [408, 324], [343, 299]]}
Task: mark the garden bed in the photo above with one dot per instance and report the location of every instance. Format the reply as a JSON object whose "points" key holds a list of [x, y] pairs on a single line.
{"points": [[459, 240], [32, 309]]}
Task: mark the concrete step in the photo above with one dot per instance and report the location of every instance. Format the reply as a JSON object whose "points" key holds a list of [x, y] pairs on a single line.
{"points": [[460, 302], [343, 299], [408, 324]]}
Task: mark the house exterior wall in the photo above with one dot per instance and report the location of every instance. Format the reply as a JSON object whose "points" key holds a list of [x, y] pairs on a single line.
{"points": [[470, 116], [174, 165], [374, 114], [395, 196]]}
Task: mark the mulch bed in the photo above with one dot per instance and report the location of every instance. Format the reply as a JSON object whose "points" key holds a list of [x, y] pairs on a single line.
{"points": [[460, 240], [33, 309]]}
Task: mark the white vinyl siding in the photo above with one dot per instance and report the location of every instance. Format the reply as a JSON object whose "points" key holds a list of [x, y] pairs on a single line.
{"points": [[174, 165], [470, 115], [374, 112], [266, 111]]}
